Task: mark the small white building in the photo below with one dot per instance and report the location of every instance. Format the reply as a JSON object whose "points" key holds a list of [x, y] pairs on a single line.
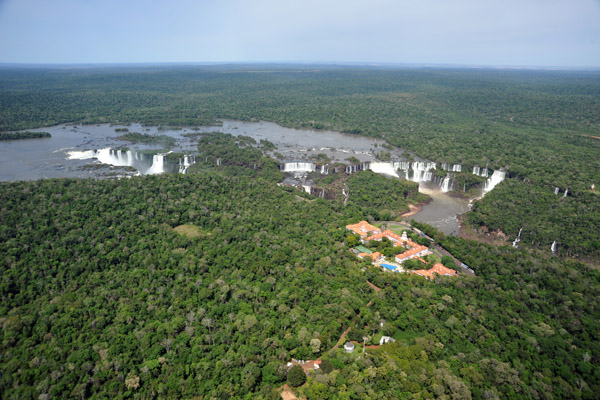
{"points": [[349, 347], [386, 339]]}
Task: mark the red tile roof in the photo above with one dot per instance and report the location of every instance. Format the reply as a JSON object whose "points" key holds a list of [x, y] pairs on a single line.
{"points": [[363, 228], [438, 268], [387, 233]]}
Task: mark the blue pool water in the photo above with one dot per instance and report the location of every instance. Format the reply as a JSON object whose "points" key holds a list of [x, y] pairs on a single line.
{"points": [[388, 266]]}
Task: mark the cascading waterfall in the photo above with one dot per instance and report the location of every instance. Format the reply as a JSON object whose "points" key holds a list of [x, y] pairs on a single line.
{"points": [[158, 164], [403, 165], [518, 239], [383, 168], [556, 191], [185, 163], [553, 247], [306, 188], [566, 192], [446, 184], [483, 172], [422, 171], [497, 177], [299, 167], [144, 163], [452, 168], [324, 169], [118, 158]]}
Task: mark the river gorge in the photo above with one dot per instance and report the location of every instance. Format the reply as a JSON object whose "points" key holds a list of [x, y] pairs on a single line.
{"points": [[96, 151]]}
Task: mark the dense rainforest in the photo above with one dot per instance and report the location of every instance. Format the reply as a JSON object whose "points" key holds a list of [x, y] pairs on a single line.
{"points": [[543, 127], [205, 285]]}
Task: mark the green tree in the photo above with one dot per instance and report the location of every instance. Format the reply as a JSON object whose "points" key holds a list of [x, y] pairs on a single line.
{"points": [[296, 376]]}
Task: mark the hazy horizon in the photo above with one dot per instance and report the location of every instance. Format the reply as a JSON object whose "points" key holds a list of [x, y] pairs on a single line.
{"points": [[514, 34]]}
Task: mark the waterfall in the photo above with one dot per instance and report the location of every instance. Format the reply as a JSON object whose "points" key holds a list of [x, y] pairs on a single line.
{"points": [[422, 166], [299, 167], [446, 184], [306, 188], [518, 239], [218, 162], [403, 165], [452, 168], [383, 168], [553, 247], [556, 191], [118, 158], [185, 163], [324, 169], [497, 177], [476, 171], [158, 164], [422, 171], [80, 155], [566, 192]]}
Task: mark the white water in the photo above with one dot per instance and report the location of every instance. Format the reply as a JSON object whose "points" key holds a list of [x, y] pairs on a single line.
{"points": [[556, 191], [497, 177], [553, 247], [446, 184], [186, 163], [566, 192], [384, 168], [480, 172], [118, 158], [517, 239], [299, 167], [158, 164], [452, 168]]}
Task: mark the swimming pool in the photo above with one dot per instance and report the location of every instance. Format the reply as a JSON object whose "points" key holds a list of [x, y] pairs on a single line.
{"points": [[388, 266]]}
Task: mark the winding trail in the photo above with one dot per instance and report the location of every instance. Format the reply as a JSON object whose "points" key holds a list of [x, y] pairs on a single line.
{"points": [[287, 393], [343, 336]]}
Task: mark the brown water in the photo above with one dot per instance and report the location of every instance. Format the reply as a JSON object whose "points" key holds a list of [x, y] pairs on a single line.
{"points": [[443, 211]]}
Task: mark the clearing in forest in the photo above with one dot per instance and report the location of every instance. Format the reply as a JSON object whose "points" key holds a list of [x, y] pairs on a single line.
{"points": [[189, 230]]}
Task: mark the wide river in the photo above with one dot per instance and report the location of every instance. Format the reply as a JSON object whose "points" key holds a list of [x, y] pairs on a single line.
{"points": [[83, 151]]}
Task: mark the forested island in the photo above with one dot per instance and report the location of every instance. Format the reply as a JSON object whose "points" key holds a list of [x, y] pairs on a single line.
{"points": [[23, 135], [209, 284]]}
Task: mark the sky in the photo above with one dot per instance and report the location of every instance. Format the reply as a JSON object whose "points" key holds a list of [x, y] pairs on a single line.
{"points": [[541, 33]]}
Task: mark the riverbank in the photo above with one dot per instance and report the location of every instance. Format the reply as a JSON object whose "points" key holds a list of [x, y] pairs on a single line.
{"points": [[414, 209], [483, 235]]}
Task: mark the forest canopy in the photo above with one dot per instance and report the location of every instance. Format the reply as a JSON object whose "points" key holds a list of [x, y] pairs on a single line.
{"points": [[542, 127]]}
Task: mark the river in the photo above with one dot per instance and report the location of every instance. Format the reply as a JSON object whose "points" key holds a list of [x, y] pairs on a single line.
{"points": [[94, 151]]}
